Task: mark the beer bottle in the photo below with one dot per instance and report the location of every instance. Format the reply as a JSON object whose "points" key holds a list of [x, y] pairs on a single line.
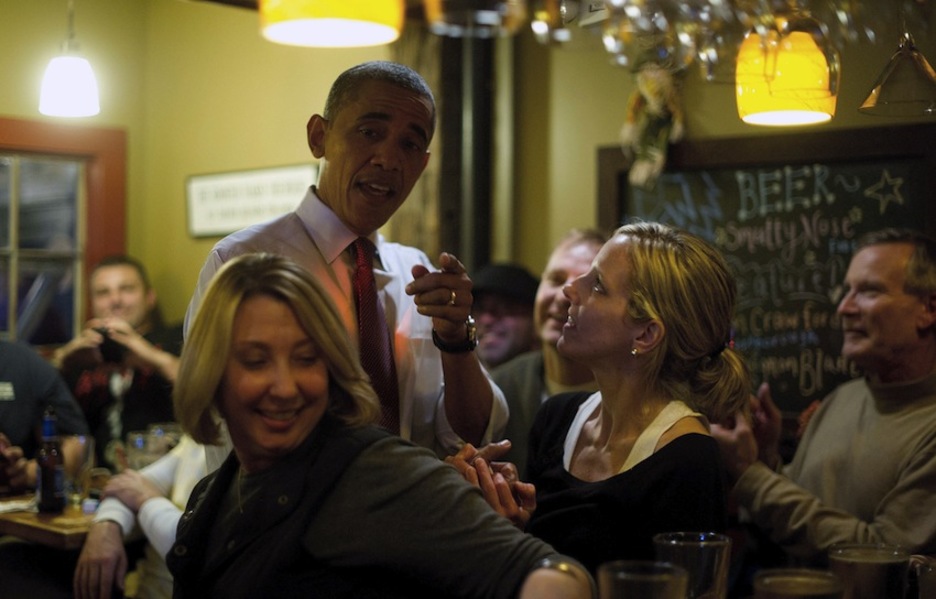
{"points": [[50, 479]]}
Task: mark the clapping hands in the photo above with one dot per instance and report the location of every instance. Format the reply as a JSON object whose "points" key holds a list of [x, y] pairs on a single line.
{"points": [[498, 481], [752, 436]]}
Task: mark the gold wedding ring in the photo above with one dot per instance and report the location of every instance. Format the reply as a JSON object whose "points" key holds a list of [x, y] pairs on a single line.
{"points": [[452, 297]]}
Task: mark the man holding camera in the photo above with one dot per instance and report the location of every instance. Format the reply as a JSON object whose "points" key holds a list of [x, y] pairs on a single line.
{"points": [[121, 367]]}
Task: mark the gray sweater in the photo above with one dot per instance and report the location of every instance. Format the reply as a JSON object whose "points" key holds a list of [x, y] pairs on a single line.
{"points": [[865, 471]]}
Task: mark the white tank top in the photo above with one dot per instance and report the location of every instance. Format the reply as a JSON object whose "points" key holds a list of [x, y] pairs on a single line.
{"points": [[647, 441]]}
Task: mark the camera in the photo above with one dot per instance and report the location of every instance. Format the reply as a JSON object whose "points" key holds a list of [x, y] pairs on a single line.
{"points": [[111, 351]]}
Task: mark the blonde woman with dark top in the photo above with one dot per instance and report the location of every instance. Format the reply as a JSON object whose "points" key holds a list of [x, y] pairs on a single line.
{"points": [[315, 500], [652, 320], [532, 378]]}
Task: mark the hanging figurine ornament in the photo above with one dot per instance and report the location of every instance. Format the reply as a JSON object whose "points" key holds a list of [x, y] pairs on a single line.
{"points": [[654, 120], [640, 34]]}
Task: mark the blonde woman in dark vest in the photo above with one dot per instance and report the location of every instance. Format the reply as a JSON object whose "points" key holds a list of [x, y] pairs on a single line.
{"points": [[315, 500]]}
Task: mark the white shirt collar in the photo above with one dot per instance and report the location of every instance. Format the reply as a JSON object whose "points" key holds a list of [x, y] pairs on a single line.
{"points": [[328, 232]]}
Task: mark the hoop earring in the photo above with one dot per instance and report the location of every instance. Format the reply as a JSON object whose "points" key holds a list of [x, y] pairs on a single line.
{"points": [[634, 352]]}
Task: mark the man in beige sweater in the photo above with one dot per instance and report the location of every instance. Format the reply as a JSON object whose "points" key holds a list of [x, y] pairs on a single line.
{"points": [[865, 470]]}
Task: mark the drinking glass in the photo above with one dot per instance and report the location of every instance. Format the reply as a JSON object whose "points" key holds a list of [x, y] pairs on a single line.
{"points": [[925, 569], [164, 436], [641, 580], [704, 555], [138, 454], [796, 583], [97, 481], [79, 463], [870, 570]]}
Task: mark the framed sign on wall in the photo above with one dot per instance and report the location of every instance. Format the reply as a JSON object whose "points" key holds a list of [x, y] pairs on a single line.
{"points": [[222, 203]]}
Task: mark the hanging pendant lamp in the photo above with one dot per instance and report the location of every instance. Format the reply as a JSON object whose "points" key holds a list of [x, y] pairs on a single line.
{"points": [[331, 23], [475, 18], [69, 87], [906, 87], [550, 19], [788, 76]]}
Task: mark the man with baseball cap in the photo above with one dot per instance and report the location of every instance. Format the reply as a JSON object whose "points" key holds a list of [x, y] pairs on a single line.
{"points": [[504, 295]]}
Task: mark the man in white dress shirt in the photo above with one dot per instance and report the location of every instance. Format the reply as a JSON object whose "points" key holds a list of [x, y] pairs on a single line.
{"points": [[372, 145]]}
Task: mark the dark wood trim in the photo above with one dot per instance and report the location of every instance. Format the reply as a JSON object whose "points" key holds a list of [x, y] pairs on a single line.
{"points": [[466, 125], [835, 145]]}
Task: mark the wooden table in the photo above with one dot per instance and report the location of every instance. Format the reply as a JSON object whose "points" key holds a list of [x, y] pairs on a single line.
{"points": [[61, 531]]}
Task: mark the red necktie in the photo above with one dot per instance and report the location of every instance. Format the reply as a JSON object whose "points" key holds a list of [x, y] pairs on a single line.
{"points": [[374, 337]]}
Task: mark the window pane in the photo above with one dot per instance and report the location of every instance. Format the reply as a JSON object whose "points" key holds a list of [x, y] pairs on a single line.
{"points": [[48, 204], [45, 291], [4, 298], [6, 166]]}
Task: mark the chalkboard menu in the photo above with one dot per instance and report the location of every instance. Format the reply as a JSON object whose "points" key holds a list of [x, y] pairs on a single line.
{"points": [[786, 211]]}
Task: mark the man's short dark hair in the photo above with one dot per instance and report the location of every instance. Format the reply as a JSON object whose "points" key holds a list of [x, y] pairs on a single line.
{"points": [[397, 74], [124, 260]]}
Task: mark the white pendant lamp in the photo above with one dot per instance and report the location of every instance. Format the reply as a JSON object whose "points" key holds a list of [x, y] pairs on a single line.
{"points": [[331, 23], [69, 87]]}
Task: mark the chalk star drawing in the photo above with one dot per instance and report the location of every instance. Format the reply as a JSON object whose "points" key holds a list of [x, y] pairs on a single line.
{"points": [[886, 196]]}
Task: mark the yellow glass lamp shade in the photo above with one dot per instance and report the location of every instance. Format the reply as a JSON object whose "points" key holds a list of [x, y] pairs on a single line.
{"points": [[331, 23], [784, 81]]}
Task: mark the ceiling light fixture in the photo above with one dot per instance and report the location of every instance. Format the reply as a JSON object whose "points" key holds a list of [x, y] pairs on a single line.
{"points": [[69, 87], [331, 23], [787, 74], [475, 18], [906, 86], [550, 18]]}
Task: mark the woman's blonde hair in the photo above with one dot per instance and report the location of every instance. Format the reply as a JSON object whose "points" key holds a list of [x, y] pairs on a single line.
{"points": [[205, 354], [681, 281]]}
